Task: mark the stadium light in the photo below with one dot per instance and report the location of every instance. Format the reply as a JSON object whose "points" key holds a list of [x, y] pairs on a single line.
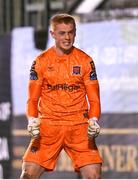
{"points": [[87, 6]]}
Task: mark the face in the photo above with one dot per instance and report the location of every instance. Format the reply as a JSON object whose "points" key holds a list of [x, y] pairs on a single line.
{"points": [[64, 35]]}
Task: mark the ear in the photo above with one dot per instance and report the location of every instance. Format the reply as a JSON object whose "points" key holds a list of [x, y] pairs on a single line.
{"points": [[52, 34]]}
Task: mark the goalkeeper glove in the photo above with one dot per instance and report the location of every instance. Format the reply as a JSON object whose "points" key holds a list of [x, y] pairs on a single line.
{"points": [[33, 127], [93, 128]]}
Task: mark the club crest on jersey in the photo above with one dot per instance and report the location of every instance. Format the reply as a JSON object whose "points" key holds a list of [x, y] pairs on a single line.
{"points": [[76, 70]]}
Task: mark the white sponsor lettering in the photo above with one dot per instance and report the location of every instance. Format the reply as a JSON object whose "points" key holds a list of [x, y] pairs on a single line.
{"points": [[4, 150], [5, 111], [1, 172], [119, 158]]}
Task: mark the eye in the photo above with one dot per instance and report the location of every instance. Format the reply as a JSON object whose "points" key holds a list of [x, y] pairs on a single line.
{"points": [[71, 32], [61, 32]]}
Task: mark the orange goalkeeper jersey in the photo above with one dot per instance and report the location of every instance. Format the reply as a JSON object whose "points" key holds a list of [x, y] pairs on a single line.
{"points": [[58, 86]]}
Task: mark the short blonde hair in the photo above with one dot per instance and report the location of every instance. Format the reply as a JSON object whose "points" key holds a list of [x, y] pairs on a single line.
{"points": [[61, 18]]}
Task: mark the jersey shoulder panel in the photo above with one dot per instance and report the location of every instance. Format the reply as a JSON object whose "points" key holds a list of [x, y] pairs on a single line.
{"points": [[45, 54], [81, 54], [40, 62]]}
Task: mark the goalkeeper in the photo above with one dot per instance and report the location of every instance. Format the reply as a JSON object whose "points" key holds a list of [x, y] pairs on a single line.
{"points": [[57, 108]]}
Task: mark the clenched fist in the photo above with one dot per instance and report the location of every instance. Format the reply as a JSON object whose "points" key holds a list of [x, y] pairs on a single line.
{"points": [[93, 128], [33, 127]]}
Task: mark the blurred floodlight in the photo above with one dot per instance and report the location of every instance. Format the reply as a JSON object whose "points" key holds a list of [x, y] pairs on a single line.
{"points": [[87, 6]]}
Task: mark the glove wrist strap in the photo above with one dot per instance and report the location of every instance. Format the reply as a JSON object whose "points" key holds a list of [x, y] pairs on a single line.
{"points": [[32, 120], [93, 119]]}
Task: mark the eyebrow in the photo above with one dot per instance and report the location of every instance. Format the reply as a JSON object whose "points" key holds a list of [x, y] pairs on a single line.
{"points": [[67, 31]]}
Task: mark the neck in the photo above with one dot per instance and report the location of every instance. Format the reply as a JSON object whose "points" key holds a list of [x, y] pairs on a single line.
{"points": [[62, 52]]}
